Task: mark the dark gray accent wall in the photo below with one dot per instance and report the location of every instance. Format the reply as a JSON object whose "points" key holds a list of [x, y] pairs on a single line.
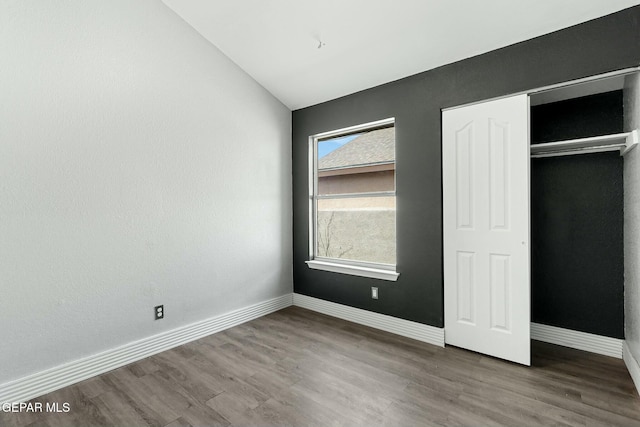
{"points": [[577, 256], [606, 44], [593, 115]]}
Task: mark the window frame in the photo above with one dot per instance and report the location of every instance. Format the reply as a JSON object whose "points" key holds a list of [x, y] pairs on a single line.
{"points": [[337, 265]]}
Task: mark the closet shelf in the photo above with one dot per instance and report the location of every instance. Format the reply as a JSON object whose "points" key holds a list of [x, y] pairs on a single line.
{"points": [[596, 144]]}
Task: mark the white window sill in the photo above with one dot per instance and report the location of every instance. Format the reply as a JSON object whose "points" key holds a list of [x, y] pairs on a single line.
{"points": [[374, 273]]}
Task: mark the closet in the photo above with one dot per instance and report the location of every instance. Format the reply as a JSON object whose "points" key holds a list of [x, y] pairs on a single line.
{"points": [[577, 207], [532, 215]]}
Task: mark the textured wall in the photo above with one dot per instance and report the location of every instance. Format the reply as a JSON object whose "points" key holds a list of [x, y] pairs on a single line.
{"points": [[358, 234], [357, 182], [632, 221], [577, 267], [138, 166], [600, 114]]}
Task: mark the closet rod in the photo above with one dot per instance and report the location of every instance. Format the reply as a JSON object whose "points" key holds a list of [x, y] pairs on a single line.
{"points": [[596, 144]]}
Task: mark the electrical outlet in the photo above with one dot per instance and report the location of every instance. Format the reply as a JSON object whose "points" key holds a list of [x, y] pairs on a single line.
{"points": [[374, 293], [159, 310]]}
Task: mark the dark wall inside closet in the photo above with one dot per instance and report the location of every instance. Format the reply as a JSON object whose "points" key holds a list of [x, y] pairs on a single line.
{"points": [[602, 45], [577, 269]]}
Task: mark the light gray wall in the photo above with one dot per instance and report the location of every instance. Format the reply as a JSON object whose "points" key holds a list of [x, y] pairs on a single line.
{"points": [[138, 166], [632, 220]]}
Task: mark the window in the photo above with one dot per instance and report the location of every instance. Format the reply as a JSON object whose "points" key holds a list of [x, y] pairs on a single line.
{"points": [[352, 200]]}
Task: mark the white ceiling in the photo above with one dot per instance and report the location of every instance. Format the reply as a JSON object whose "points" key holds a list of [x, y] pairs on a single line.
{"points": [[369, 42]]}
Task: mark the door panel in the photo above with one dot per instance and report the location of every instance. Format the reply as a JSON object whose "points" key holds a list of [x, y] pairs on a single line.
{"points": [[485, 155], [500, 274], [464, 182], [499, 175], [465, 298]]}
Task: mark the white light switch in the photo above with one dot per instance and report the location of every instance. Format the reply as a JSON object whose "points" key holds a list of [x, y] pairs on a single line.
{"points": [[374, 293]]}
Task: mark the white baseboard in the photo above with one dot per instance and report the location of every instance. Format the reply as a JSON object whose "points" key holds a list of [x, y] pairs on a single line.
{"points": [[578, 340], [632, 365], [406, 328], [70, 373]]}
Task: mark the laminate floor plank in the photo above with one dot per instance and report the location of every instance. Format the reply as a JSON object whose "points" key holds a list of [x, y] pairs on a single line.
{"points": [[223, 358], [137, 393], [267, 351], [180, 422], [276, 378], [300, 407], [19, 419], [202, 415], [166, 394], [404, 414], [93, 387], [343, 369], [187, 382], [527, 397], [296, 367], [234, 403], [355, 403], [81, 406], [117, 411]]}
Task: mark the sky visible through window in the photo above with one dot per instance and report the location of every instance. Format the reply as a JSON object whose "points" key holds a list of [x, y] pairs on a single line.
{"points": [[327, 146]]}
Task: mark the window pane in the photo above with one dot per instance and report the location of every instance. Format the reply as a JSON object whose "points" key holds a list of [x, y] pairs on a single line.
{"points": [[360, 229], [357, 163]]}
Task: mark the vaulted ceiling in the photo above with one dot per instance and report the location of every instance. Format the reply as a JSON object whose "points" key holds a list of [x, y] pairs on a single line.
{"points": [[306, 52]]}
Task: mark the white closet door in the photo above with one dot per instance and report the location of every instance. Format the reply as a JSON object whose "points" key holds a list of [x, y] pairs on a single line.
{"points": [[485, 164]]}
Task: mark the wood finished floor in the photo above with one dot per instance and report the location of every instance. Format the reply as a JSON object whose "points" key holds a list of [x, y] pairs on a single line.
{"points": [[297, 367]]}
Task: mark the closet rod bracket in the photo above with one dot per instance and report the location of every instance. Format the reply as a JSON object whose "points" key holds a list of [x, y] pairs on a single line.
{"points": [[631, 142]]}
